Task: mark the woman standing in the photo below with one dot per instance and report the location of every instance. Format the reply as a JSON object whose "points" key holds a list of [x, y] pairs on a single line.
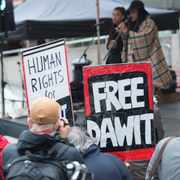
{"points": [[115, 53], [141, 44]]}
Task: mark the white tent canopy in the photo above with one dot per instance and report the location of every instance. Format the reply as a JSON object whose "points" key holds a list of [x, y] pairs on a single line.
{"points": [[58, 18]]}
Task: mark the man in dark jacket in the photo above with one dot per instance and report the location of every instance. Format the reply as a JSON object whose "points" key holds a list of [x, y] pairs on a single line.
{"points": [[103, 166], [43, 123]]}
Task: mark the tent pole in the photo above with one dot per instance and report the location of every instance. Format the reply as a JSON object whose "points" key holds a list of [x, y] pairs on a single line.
{"points": [[178, 31], [27, 43], [2, 80], [98, 32]]}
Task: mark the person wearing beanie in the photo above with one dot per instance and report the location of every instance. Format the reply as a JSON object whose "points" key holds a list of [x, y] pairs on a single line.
{"points": [[141, 44], [45, 130]]}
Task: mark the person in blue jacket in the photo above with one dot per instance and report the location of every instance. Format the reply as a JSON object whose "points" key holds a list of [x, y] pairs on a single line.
{"points": [[103, 166]]}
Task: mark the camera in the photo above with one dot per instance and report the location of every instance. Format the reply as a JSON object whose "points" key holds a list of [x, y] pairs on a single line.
{"points": [[76, 171]]}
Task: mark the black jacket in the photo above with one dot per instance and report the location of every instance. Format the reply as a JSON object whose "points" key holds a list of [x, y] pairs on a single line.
{"points": [[105, 166], [115, 54], [37, 144]]}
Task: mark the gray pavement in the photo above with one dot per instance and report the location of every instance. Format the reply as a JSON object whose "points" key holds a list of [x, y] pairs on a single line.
{"points": [[170, 113]]}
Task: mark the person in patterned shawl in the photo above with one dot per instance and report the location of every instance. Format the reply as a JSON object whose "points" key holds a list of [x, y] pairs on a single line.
{"points": [[141, 44]]}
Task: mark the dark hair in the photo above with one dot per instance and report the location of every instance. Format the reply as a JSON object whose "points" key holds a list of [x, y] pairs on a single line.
{"points": [[134, 26], [113, 26]]}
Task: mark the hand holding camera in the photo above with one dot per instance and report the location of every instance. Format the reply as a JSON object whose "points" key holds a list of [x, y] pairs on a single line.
{"points": [[64, 127]]}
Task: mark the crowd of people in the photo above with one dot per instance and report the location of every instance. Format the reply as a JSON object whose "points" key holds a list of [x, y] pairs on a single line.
{"points": [[53, 139], [51, 149]]}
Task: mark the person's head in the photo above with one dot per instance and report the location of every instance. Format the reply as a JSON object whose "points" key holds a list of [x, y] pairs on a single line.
{"points": [[119, 15], [137, 13], [80, 138], [134, 15], [44, 115]]}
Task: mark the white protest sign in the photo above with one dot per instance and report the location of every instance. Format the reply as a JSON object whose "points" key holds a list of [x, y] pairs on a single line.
{"points": [[46, 74]]}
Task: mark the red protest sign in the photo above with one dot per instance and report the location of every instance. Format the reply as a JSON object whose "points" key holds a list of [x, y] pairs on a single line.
{"points": [[119, 109]]}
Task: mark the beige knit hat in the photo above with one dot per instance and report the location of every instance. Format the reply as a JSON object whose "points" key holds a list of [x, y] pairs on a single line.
{"points": [[44, 111]]}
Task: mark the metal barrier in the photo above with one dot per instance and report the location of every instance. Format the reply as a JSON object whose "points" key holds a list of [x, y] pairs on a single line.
{"points": [[67, 43], [15, 100], [82, 41], [169, 47]]}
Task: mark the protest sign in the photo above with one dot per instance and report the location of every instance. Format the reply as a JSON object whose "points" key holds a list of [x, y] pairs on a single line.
{"points": [[119, 109], [45, 70]]}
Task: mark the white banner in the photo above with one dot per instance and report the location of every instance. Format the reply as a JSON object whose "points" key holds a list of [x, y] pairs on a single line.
{"points": [[46, 72]]}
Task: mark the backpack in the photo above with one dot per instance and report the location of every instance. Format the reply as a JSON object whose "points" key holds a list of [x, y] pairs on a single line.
{"points": [[31, 166]]}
